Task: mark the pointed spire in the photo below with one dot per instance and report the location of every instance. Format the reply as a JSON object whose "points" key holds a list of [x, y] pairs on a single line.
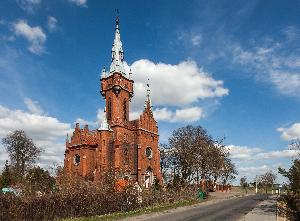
{"points": [[148, 99], [117, 53], [104, 125], [130, 74], [103, 72], [67, 138]]}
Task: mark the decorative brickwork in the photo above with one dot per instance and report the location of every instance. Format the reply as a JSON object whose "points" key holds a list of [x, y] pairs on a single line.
{"points": [[128, 147]]}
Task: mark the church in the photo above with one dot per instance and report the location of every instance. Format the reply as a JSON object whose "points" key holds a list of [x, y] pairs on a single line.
{"points": [[128, 147]]}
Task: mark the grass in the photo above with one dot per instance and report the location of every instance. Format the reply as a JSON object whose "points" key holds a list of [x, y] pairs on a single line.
{"points": [[141, 211]]}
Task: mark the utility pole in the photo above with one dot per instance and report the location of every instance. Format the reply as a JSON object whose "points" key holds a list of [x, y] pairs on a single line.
{"points": [[256, 184]]}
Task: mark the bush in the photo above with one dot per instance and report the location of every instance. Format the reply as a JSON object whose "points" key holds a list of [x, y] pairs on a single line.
{"points": [[77, 198]]}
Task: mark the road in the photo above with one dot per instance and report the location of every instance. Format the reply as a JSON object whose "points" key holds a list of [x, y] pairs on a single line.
{"points": [[225, 210]]}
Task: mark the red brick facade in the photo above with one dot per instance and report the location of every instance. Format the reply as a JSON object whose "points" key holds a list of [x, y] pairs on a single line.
{"points": [[128, 147]]}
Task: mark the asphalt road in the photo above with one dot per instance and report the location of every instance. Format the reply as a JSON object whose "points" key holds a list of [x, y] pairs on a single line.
{"points": [[227, 210]]}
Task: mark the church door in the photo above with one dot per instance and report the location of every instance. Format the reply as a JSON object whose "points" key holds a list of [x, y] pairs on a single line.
{"points": [[148, 178]]}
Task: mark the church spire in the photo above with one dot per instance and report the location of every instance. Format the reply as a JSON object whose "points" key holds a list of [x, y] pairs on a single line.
{"points": [[148, 99], [117, 53]]}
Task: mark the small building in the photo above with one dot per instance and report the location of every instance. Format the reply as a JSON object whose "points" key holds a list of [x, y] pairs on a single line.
{"points": [[129, 148]]}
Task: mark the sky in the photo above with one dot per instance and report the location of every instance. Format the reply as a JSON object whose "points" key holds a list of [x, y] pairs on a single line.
{"points": [[232, 67]]}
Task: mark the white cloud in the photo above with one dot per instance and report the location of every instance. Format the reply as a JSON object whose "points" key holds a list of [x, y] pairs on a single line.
{"points": [[174, 85], [184, 115], [277, 154], [290, 133], [255, 170], [272, 65], [47, 132], [242, 152], [191, 114], [85, 122], [52, 23], [28, 5], [286, 82], [196, 40], [255, 153], [79, 2], [33, 106], [34, 35], [92, 124], [40, 128]]}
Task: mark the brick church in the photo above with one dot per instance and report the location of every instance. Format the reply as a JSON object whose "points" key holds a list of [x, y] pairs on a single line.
{"points": [[129, 147]]}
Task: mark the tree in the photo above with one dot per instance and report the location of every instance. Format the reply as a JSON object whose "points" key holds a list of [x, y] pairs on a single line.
{"points": [[39, 180], [183, 143], [6, 177], [243, 183], [22, 151], [267, 180], [193, 155], [295, 144], [293, 175], [228, 171]]}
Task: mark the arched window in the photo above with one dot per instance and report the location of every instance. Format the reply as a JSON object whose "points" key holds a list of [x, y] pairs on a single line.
{"points": [[125, 109], [109, 109]]}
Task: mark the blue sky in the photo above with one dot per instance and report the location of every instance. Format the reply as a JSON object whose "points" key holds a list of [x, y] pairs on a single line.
{"points": [[232, 67]]}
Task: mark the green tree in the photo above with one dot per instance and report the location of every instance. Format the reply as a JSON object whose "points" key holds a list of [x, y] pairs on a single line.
{"points": [[22, 151], [6, 177], [39, 179], [293, 175]]}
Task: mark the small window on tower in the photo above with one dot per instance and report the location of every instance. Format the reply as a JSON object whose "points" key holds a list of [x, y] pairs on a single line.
{"points": [[125, 109], [109, 109]]}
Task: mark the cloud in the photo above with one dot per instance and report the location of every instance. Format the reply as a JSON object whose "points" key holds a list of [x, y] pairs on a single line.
{"points": [[196, 40], [183, 115], [34, 35], [28, 5], [292, 33], [272, 64], [92, 124], [256, 153], [175, 89], [33, 106], [174, 85], [47, 132], [290, 133], [52, 23], [242, 152], [81, 3], [37, 126]]}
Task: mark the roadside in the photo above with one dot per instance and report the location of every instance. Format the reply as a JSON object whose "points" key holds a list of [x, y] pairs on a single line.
{"points": [[230, 207], [157, 210], [264, 211]]}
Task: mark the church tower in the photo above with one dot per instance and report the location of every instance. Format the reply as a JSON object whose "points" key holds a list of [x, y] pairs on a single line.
{"points": [[116, 86]]}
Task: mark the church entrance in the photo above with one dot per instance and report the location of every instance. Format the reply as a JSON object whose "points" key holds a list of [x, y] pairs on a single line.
{"points": [[148, 178]]}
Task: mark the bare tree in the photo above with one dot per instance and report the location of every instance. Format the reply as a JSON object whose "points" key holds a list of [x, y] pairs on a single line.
{"points": [[196, 156], [22, 151], [228, 171], [267, 180], [182, 143]]}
